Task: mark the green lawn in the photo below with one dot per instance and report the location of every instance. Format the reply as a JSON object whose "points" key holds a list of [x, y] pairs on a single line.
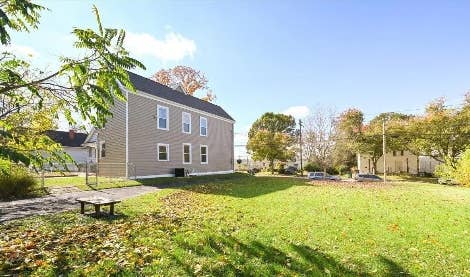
{"points": [[411, 178], [256, 226], [80, 182], [105, 182]]}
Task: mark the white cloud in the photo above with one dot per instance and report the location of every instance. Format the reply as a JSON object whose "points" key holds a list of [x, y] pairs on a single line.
{"points": [[297, 111], [174, 46], [20, 50]]}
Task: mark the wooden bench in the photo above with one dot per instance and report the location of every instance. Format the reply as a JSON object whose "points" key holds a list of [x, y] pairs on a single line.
{"points": [[97, 202]]}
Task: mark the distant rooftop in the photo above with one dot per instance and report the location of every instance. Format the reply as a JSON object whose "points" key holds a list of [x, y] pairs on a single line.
{"points": [[67, 138]]}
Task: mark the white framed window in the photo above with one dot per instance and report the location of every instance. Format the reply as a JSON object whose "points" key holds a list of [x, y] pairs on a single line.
{"points": [[203, 126], [204, 154], [163, 117], [163, 152], [187, 153], [186, 119]]}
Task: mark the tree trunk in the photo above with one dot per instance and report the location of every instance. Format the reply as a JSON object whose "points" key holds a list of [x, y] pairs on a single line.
{"points": [[271, 166], [417, 164], [374, 166]]}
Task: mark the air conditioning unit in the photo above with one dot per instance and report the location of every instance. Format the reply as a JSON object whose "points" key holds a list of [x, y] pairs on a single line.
{"points": [[179, 172]]}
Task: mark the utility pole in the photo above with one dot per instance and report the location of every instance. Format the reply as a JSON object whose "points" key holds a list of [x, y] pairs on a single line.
{"points": [[301, 155], [384, 146]]}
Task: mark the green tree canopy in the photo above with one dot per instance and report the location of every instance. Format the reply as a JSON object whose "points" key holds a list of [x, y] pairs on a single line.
{"points": [[274, 122], [366, 138], [88, 86], [18, 15], [271, 138], [443, 132]]}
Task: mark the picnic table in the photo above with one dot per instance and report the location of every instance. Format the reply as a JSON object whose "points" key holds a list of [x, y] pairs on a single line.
{"points": [[97, 202]]}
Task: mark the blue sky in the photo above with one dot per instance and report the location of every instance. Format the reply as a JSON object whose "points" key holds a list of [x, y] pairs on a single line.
{"points": [[286, 55]]}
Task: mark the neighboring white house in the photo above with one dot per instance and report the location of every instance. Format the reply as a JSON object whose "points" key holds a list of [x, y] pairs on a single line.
{"points": [[71, 142], [397, 162], [427, 164]]}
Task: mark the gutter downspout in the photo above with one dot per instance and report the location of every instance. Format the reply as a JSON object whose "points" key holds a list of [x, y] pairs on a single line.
{"points": [[127, 134]]}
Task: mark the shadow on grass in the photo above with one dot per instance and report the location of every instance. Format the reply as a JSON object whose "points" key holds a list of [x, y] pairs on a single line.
{"points": [[201, 252], [394, 269], [236, 184], [258, 259], [244, 185], [105, 216], [411, 178], [171, 182]]}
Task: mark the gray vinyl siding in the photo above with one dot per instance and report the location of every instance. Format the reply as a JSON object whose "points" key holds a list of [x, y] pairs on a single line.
{"points": [[114, 135], [144, 137]]}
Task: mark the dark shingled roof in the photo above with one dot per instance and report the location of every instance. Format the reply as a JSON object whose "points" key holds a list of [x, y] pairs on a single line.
{"points": [[64, 138], [151, 87]]}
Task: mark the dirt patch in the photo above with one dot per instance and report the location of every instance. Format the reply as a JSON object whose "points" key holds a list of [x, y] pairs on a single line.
{"points": [[62, 190], [352, 184]]}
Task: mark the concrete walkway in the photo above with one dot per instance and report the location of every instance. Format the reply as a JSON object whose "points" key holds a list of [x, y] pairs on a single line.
{"points": [[59, 202]]}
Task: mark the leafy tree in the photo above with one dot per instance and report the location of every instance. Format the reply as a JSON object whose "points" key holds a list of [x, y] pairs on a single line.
{"points": [[462, 170], [88, 85], [190, 79], [271, 138], [349, 127], [18, 15], [442, 132], [312, 167], [371, 140], [274, 123], [359, 137]]}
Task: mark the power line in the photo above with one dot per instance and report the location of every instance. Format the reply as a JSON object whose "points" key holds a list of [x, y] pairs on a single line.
{"points": [[392, 135], [405, 111]]}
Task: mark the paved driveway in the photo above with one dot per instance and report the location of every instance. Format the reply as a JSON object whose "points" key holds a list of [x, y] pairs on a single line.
{"points": [[59, 202]]}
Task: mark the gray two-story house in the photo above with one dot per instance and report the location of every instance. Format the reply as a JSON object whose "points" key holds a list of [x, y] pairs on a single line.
{"points": [[159, 129]]}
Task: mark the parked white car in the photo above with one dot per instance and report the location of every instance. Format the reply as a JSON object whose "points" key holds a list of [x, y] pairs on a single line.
{"points": [[322, 176], [334, 178], [316, 175]]}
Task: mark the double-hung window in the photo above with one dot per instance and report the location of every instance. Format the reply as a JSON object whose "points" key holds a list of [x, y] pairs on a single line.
{"points": [[163, 117], [204, 154], [186, 153], [203, 126], [186, 123], [163, 152]]}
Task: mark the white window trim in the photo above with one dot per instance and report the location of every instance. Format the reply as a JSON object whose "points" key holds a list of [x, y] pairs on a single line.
{"points": [[207, 154], [200, 126], [190, 153], [182, 122], [167, 152], [167, 117]]}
